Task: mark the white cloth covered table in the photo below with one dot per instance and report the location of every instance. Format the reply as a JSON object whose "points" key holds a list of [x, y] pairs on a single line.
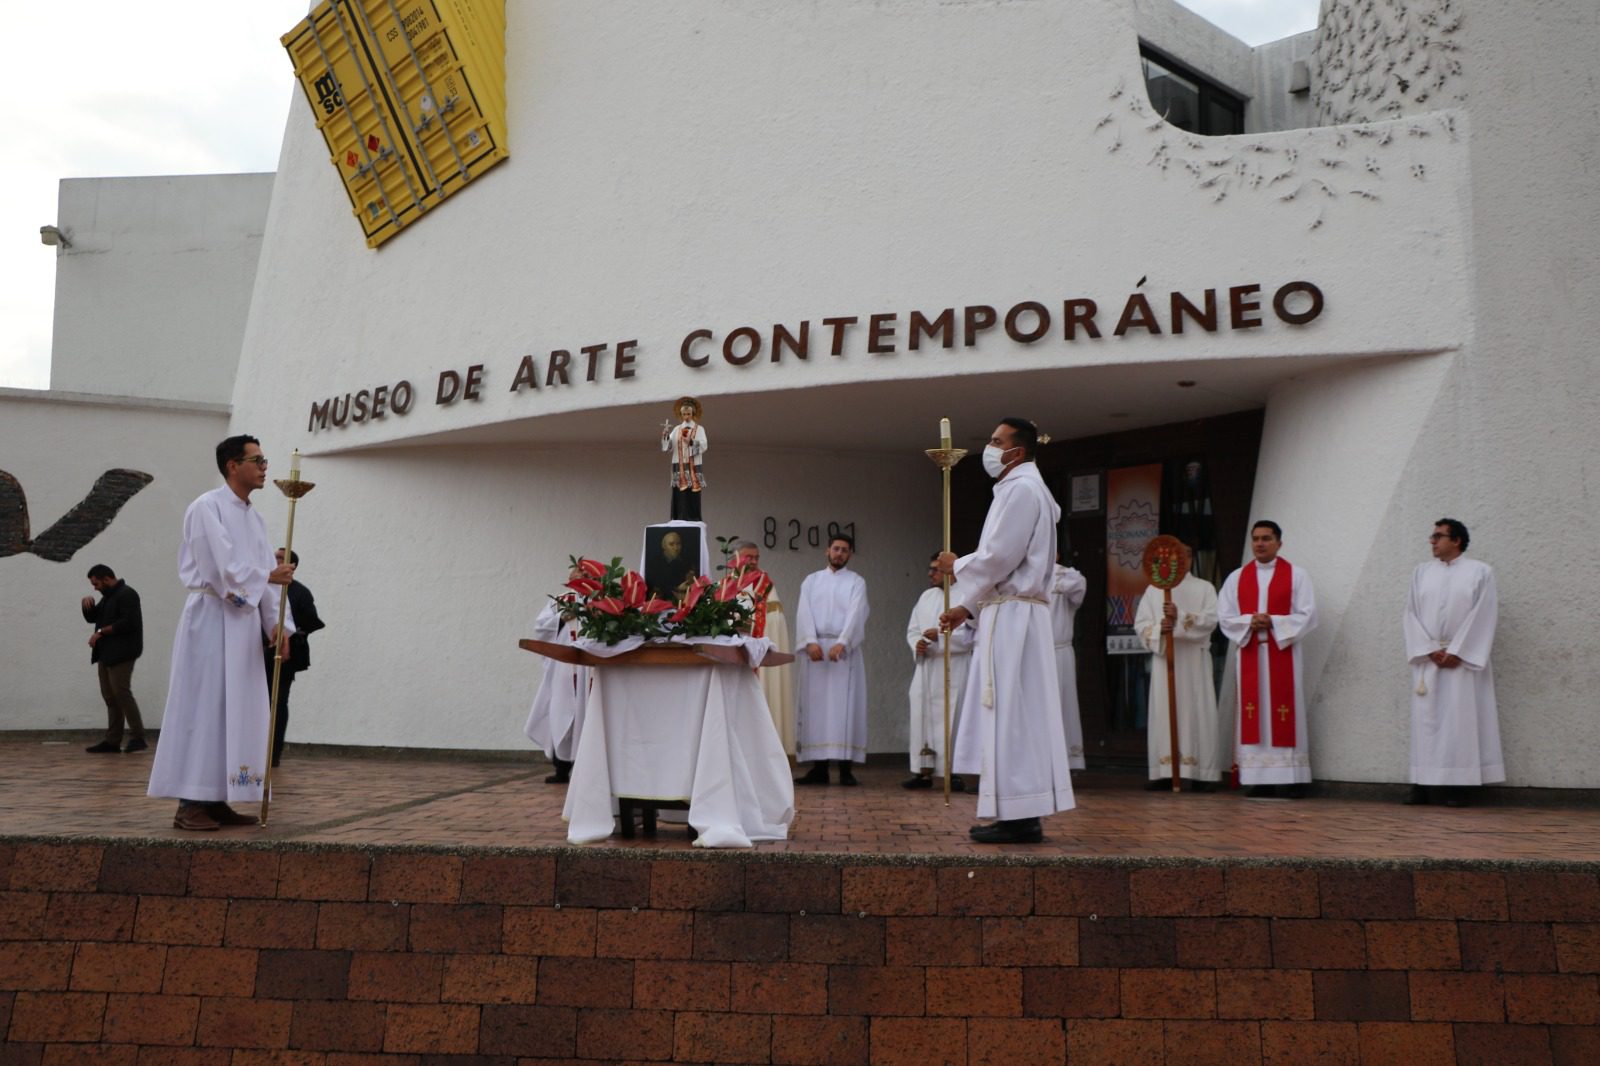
{"points": [[701, 734]]}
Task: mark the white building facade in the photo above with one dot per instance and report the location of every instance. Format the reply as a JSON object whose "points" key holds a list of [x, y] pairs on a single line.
{"points": [[965, 209]]}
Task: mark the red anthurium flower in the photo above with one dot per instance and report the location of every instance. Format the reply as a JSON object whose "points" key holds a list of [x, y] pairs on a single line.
{"points": [[756, 581], [633, 590], [727, 589], [591, 568], [609, 605], [584, 586], [656, 605], [679, 615], [690, 598]]}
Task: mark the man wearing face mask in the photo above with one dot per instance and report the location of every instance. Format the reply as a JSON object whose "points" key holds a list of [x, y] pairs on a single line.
{"points": [[1013, 700]]}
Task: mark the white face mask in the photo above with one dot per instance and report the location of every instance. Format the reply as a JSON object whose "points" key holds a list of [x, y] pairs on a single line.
{"points": [[993, 460]]}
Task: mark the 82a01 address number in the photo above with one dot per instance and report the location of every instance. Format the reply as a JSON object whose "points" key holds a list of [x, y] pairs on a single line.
{"points": [[794, 534]]}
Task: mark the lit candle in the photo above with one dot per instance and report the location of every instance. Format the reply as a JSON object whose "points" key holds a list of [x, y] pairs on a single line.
{"points": [[944, 433]]}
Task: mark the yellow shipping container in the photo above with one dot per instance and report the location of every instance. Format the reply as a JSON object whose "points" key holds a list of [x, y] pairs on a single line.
{"points": [[410, 97]]}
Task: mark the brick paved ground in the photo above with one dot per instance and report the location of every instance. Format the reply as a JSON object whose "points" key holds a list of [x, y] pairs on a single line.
{"points": [[57, 789], [407, 912]]}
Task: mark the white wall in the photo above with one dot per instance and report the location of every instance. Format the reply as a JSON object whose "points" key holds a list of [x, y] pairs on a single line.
{"points": [[152, 295], [56, 445], [429, 564]]}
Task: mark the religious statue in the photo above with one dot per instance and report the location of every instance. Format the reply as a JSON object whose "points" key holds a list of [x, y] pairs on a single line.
{"points": [[687, 444]]}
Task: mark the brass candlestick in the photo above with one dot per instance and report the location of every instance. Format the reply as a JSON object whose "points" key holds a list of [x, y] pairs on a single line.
{"points": [[946, 457], [293, 488]]}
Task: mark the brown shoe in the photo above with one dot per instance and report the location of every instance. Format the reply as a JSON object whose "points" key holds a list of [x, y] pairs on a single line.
{"points": [[226, 815], [194, 817]]}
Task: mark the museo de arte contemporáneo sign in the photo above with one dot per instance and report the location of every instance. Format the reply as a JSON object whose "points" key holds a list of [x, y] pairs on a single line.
{"points": [[1073, 322]]}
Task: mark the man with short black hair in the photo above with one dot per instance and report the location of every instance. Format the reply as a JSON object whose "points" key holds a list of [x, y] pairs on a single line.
{"points": [[303, 609], [214, 734], [117, 642], [928, 681], [1265, 609], [1449, 628], [830, 626], [1012, 732]]}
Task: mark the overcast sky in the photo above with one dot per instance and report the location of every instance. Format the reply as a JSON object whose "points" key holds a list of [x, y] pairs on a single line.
{"points": [[108, 87]]}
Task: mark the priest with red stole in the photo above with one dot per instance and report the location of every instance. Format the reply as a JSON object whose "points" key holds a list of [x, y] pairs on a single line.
{"points": [[1265, 609]]}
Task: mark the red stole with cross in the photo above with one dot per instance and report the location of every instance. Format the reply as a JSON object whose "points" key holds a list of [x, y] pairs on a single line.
{"points": [[1280, 661]]}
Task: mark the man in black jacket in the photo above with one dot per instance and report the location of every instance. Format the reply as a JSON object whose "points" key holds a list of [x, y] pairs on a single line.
{"points": [[303, 609], [117, 641]]}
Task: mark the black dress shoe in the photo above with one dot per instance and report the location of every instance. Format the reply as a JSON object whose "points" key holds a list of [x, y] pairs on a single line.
{"points": [[136, 744], [1202, 786], [1010, 831], [1257, 792], [1297, 792], [1158, 784], [103, 747], [1457, 796], [1417, 797], [226, 815], [957, 783], [818, 775], [919, 781], [845, 776]]}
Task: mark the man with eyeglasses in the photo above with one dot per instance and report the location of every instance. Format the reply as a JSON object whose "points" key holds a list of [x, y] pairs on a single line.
{"points": [[1449, 629], [213, 744]]}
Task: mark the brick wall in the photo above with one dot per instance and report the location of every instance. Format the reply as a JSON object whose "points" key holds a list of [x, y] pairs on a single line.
{"points": [[124, 954]]}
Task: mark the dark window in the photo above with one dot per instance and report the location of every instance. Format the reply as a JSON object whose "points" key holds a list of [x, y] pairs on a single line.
{"points": [[1188, 100]]}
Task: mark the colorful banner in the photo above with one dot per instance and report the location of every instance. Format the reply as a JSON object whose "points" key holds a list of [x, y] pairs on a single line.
{"points": [[1133, 519]]}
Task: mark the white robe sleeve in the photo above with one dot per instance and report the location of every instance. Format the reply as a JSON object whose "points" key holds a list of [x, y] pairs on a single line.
{"points": [[963, 636], [1419, 642], [854, 630], [1289, 628], [805, 627], [547, 626], [701, 443], [1001, 552], [1234, 625], [219, 562], [1197, 619], [1072, 585], [1472, 641], [1147, 622], [267, 608], [914, 628]]}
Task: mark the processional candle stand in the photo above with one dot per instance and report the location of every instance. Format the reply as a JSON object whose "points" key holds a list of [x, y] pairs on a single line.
{"points": [[293, 488], [1166, 563], [946, 457]]}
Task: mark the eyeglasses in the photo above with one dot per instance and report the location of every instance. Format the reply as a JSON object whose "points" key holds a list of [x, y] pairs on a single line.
{"points": [[259, 460], [1440, 536]]}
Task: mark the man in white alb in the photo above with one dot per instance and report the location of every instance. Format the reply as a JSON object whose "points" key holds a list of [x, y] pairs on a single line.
{"points": [[1190, 619], [555, 721], [777, 682], [1265, 609], [830, 625], [213, 745], [927, 680], [1013, 699], [1067, 589], [1449, 628]]}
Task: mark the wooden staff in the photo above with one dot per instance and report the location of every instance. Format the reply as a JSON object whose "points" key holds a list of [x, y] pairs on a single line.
{"points": [[946, 457], [1166, 563], [293, 488]]}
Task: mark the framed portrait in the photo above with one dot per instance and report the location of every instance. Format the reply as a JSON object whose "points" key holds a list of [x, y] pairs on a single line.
{"points": [[1085, 494], [674, 555]]}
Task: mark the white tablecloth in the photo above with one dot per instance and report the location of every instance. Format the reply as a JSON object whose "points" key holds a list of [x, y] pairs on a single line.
{"points": [[695, 733]]}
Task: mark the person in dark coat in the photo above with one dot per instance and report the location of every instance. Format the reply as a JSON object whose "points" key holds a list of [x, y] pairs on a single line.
{"points": [[117, 642], [303, 608]]}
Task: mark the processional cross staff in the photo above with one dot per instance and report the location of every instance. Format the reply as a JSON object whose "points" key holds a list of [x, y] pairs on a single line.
{"points": [[293, 488], [1166, 563], [946, 457]]}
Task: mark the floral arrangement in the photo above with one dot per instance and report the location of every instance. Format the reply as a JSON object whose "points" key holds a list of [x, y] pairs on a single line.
{"points": [[611, 603]]}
